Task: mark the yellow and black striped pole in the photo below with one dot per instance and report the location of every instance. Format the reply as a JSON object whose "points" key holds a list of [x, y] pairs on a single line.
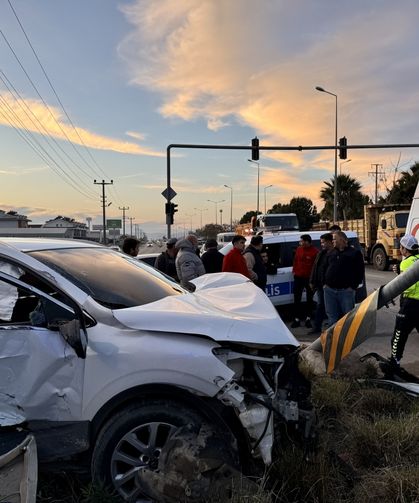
{"points": [[356, 326]]}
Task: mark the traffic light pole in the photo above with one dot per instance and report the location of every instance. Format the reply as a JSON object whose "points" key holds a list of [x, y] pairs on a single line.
{"points": [[300, 148]]}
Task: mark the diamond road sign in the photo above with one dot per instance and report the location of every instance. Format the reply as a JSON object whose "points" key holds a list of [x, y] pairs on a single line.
{"points": [[169, 192]]}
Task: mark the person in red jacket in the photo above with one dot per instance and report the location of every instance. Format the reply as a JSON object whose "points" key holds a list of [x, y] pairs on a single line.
{"points": [[304, 258], [234, 260]]}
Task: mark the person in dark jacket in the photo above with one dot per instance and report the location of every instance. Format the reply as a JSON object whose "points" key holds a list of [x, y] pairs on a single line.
{"points": [[317, 279], [345, 271], [255, 265], [212, 258], [166, 261]]}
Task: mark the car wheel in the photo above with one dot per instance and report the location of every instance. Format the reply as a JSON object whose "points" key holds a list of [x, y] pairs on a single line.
{"points": [[380, 259], [130, 445]]}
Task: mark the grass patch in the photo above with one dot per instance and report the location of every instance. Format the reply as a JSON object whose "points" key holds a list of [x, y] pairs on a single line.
{"points": [[367, 451]]}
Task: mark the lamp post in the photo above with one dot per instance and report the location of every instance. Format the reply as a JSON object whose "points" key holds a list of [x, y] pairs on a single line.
{"points": [[257, 204], [231, 206], [340, 165], [201, 210], [191, 215], [267, 187], [335, 191], [216, 202]]}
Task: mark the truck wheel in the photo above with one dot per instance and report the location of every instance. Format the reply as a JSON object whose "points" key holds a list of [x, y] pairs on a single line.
{"points": [[380, 259], [128, 450]]}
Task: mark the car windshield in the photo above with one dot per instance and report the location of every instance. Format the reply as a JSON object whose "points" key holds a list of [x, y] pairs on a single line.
{"points": [[401, 219], [112, 279]]}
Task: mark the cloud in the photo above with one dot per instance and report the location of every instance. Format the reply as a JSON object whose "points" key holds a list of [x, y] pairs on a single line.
{"points": [[137, 136], [34, 116], [229, 63]]}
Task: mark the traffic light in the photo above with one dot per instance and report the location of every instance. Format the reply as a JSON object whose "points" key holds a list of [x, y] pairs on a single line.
{"points": [[171, 209], [342, 147], [255, 148]]}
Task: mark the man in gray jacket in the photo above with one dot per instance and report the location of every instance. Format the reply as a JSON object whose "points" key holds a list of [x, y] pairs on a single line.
{"points": [[188, 264]]}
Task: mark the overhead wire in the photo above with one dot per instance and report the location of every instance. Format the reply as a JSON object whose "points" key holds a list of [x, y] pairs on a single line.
{"points": [[35, 121], [100, 172], [46, 106], [46, 134], [29, 138]]}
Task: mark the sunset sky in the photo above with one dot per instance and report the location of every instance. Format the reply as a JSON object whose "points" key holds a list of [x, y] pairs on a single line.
{"points": [[121, 80]]}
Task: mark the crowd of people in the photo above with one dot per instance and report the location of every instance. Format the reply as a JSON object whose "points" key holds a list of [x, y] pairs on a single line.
{"points": [[331, 274]]}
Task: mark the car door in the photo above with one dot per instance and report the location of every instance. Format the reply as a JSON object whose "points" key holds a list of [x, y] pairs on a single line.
{"points": [[279, 286], [42, 350]]}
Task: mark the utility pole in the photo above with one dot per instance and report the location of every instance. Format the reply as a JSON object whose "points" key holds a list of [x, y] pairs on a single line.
{"points": [[103, 183], [123, 209], [376, 173], [130, 223]]}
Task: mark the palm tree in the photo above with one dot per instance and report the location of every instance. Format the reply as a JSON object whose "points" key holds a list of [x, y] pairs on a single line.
{"points": [[350, 200]]}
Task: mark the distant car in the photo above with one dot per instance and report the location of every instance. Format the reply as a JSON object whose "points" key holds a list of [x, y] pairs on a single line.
{"points": [[149, 244], [148, 258]]}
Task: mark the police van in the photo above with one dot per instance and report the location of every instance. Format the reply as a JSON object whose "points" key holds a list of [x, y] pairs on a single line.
{"points": [[281, 250]]}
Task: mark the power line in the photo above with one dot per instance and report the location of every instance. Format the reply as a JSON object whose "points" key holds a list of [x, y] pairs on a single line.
{"points": [[29, 114], [31, 141], [42, 99], [56, 94]]}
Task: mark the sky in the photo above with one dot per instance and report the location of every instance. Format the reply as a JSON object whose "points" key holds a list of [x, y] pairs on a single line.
{"points": [[97, 90]]}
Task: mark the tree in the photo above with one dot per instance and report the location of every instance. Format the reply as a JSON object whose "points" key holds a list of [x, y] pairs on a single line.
{"points": [[302, 207], [305, 211], [403, 189], [350, 199], [246, 218]]}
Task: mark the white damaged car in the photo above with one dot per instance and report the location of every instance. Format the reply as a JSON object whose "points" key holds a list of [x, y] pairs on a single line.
{"points": [[110, 363]]}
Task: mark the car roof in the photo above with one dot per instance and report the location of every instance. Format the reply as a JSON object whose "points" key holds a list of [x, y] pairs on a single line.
{"points": [[147, 255], [269, 238], [36, 244]]}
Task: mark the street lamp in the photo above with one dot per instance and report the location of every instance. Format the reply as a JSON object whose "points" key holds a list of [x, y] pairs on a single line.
{"points": [[190, 215], [231, 206], [216, 202], [201, 210], [340, 165], [267, 187], [335, 191], [257, 205]]}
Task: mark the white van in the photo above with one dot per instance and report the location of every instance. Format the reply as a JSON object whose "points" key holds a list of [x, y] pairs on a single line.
{"points": [[224, 237], [412, 226], [281, 249]]}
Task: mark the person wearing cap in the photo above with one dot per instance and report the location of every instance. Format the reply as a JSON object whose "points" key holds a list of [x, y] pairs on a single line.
{"points": [[188, 264], [408, 316], [212, 258], [166, 261]]}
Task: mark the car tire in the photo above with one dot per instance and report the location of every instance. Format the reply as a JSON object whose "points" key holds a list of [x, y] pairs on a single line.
{"points": [[380, 259], [133, 439]]}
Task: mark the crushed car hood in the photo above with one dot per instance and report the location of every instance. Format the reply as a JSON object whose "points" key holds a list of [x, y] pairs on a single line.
{"points": [[224, 307]]}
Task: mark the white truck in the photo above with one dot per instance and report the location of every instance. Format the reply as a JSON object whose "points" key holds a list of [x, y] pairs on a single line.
{"points": [[412, 226]]}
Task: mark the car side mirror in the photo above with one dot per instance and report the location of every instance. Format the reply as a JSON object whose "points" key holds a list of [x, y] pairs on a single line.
{"points": [[74, 336]]}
